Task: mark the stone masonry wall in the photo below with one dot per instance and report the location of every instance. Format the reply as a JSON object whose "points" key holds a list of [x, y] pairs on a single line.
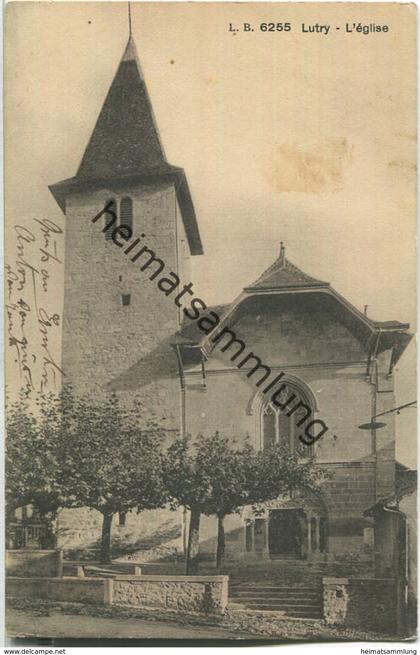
{"points": [[298, 340], [201, 594], [367, 603], [313, 347], [93, 591], [34, 563], [103, 339], [148, 535], [208, 594]]}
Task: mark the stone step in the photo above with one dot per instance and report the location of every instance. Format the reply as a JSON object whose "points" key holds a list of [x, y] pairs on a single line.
{"points": [[297, 603], [250, 610], [279, 604], [243, 598], [279, 596], [287, 584], [304, 613], [280, 590], [313, 614]]}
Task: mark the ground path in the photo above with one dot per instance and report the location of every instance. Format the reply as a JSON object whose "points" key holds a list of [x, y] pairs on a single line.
{"points": [[23, 623]]}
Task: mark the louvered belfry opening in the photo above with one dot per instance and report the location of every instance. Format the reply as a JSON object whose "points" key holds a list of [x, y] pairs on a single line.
{"points": [[126, 212]]}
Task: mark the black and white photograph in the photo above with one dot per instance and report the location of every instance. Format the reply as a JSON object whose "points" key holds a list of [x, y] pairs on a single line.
{"points": [[210, 317]]}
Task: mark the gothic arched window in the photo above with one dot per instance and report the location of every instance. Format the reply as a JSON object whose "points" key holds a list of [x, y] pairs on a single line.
{"points": [[112, 206], [283, 420], [126, 212]]}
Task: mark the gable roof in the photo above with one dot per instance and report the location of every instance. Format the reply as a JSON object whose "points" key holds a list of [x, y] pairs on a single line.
{"points": [[283, 278], [288, 279], [125, 146]]}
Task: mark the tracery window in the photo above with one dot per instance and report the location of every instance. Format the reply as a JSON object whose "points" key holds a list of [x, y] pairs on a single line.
{"points": [[283, 421]]}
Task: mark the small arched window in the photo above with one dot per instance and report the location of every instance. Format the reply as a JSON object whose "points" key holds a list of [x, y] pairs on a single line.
{"points": [[126, 212], [109, 223]]}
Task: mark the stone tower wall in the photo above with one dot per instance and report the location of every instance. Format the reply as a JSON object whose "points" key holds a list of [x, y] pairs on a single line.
{"points": [[102, 338]]}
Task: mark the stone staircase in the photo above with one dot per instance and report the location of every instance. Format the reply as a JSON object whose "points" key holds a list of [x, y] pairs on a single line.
{"points": [[300, 600], [288, 586]]}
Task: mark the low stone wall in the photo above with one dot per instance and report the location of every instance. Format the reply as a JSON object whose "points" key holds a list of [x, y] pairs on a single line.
{"points": [[92, 591], [128, 568], [79, 568], [207, 594], [27, 587], [201, 594], [34, 563], [366, 603]]}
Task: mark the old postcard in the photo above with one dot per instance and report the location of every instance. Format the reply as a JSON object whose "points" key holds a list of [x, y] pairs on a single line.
{"points": [[209, 317]]}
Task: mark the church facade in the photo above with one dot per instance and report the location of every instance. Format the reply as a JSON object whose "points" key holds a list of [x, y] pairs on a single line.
{"points": [[288, 361]]}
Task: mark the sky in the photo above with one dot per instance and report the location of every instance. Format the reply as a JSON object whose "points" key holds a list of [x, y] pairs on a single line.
{"points": [[304, 138]]}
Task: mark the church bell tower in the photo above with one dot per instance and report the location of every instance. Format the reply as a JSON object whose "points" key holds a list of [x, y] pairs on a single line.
{"points": [[114, 314]]}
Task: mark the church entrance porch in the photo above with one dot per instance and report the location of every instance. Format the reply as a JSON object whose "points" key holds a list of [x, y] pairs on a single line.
{"points": [[285, 533], [294, 527]]}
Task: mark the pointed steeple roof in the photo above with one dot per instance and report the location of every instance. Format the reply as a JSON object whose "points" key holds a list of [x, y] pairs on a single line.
{"points": [[125, 146], [125, 140], [282, 274]]}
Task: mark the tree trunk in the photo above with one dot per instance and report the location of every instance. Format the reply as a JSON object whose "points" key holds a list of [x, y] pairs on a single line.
{"points": [[193, 542], [220, 541], [105, 557]]}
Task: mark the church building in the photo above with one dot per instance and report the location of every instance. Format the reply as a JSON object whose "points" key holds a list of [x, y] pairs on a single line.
{"points": [[285, 335]]}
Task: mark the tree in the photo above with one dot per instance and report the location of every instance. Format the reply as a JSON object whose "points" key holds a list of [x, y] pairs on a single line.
{"points": [[214, 477], [247, 477], [109, 458], [79, 452], [188, 486], [275, 471], [223, 465], [30, 461]]}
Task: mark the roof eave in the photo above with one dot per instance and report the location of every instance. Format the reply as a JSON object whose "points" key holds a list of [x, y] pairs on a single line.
{"points": [[60, 191], [308, 288], [287, 289], [188, 213]]}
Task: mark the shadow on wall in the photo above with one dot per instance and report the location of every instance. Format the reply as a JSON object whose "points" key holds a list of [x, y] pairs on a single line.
{"points": [[144, 536]]}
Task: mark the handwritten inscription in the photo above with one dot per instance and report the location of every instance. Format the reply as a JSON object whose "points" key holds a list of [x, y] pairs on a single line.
{"points": [[32, 326]]}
